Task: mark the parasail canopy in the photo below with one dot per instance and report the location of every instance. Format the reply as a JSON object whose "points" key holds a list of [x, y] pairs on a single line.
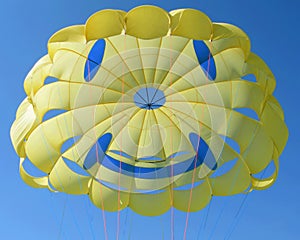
{"points": [[149, 110]]}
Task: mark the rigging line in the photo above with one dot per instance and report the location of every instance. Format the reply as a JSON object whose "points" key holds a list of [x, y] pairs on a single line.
{"points": [[89, 217], [195, 165], [120, 162], [103, 214], [204, 222], [130, 224], [238, 214], [191, 192], [172, 159], [102, 201], [217, 221], [206, 217], [62, 218], [229, 190], [58, 177], [235, 221], [125, 222], [90, 224], [207, 78], [236, 218]]}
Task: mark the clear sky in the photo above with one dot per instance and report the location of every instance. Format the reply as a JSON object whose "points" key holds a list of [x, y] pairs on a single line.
{"points": [[27, 213]]}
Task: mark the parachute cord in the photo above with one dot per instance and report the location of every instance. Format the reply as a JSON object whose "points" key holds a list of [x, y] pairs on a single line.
{"points": [[236, 218], [62, 187], [224, 205], [203, 225], [238, 215], [207, 78], [125, 222], [216, 222], [239, 212], [130, 225], [103, 215], [188, 212], [62, 218], [89, 217], [120, 162], [171, 160], [191, 192], [102, 202], [101, 194]]}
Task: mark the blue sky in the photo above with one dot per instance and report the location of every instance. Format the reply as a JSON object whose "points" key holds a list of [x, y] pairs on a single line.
{"points": [[28, 213]]}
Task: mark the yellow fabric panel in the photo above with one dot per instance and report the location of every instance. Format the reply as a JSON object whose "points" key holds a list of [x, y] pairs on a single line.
{"points": [[35, 78], [247, 95], [151, 204], [122, 181], [67, 38], [265, 78], [147, 22], [235, 181], [22, 126], [259, 152], [149, 52], [64, 63], [63, 179], [279, 136], [116, 45], [276, 107], [177, 58], [45, 158], [106, 198], [229, 64], [237, 131], [41, 182], [104, 24], [261, 184], [52, 96], [227, 36], [191, 23], [123, 54], [128, 138], [193, 200]]}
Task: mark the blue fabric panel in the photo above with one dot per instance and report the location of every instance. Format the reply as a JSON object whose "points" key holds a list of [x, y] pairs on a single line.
{"points": [[202, 51], [149, 173], [205, 58], [204, 154], [97, 152], [104, 141], [94, 60], [149, 98], [210, 67]]}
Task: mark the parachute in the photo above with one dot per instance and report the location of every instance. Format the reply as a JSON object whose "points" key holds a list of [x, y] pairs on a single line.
{"points": [[149, 110]]}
